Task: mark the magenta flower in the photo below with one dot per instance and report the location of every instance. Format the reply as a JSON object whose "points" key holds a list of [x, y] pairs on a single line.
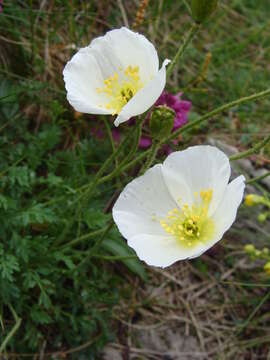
{"points": [[97, 131], [1, 6]]}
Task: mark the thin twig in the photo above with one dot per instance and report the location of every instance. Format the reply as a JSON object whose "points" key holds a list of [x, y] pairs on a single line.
{"points": [[214, 112], [123, 13], [245, 324], [251, 151], [192, 32], [18, 321], [258, 178]]}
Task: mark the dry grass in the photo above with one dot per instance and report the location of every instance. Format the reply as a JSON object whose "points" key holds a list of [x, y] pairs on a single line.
{"points": [[186, 313]]}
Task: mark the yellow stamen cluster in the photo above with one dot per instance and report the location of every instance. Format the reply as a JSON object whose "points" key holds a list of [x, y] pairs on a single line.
{"points": [[191, 224], [121, 87]]}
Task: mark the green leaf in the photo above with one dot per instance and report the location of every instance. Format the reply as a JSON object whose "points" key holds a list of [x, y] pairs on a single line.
{"points": [[95, 219], [39, 316], [8, 265], [118, 247]]}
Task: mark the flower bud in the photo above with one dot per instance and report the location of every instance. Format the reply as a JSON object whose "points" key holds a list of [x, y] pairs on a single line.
{"points": [[258, 253], [253, 199], [202, 9], [249, 249], [161, 122], [267, 268], [262, 217]]}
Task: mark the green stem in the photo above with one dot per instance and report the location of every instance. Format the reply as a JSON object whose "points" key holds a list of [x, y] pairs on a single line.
{"points": [[187, 6], [91, 251], [189, 127], [258, 178], [82, 238], [125, 163], [122, 166], [151, 157], [138, 133], [192, 32], [172, 136], [98, 178], [253, 313], [215, 112], [109, 132], [99, 241], [125, 167], [113, 258], [13, 330], [185, 128], [90, 187], [251, 151]]}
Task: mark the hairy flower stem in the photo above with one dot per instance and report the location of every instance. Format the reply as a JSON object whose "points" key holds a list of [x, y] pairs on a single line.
{"points": [[117, 171], [258, 178], [192, 125], [124, 166], [97, 244], [81, 239], [192, 32], [214, 112], [251, 151], [138, 133], [109, 133], [151, 157], [91, 187], [187, 6]]}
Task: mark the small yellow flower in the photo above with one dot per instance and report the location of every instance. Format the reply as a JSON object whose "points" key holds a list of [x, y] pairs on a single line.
{"points": [[267, 268], [253, 199]]}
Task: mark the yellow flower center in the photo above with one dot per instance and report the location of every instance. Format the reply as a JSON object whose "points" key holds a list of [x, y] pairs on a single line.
{"points": [[121, 87], [191, 224]]}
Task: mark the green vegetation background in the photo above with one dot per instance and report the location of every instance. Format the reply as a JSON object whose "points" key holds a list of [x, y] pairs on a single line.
{"points": [[59, 274]]}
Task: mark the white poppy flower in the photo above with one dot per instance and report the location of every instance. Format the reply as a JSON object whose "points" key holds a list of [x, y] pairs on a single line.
{"points": [[117, 74], [179, 209]]}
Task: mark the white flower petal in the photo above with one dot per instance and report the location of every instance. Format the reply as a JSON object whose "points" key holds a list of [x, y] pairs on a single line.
{"points": [[226, 212], [130, 49], [82, 76], [197, 168], [144, 98], [162, 251], [141, 205]]}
